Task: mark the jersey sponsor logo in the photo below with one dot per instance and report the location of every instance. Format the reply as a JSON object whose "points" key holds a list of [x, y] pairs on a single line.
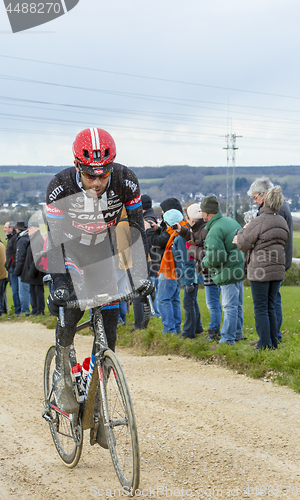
{"points": [[54, 212], [116, 205], [77, 205], [111, 214], [90, 216], [55, 193], [135, 201], [94, 227], [131, 184]]}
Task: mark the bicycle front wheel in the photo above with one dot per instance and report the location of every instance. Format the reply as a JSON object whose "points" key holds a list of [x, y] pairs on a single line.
{"points": [[66, 433], [120, 423]]}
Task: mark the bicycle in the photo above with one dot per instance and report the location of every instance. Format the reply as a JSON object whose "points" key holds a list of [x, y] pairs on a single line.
{"points": [[107, 404]]}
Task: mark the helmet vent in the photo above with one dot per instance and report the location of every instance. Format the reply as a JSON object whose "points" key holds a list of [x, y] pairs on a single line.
{"points": [[107, 153], [97, 155], [86, 154]]}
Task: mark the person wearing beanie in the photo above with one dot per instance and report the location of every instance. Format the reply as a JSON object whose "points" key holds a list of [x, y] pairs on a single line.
{"points": [[158, 237], [146, 202], [226, 265], [210, 205], [195, 236], [169, 286]]}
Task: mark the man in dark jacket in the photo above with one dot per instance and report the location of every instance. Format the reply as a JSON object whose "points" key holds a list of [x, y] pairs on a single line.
{"points": [[150, 216], [32, 274], [257, 191], [11, 236], [21, 250]]}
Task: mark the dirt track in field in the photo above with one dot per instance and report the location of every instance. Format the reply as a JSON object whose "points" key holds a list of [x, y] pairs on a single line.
{"points": [[204, 431]]}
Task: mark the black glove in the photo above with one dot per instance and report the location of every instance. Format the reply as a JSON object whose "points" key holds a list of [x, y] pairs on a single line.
{"points": [[146, 288], [56, 299], [189, 288]]}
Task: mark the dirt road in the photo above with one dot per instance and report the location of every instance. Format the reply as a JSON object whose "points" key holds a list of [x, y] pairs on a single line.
{"points": [[204, 431]]}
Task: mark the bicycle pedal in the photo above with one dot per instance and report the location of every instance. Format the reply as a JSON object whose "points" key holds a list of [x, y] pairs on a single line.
{"points": [[47, 416]]}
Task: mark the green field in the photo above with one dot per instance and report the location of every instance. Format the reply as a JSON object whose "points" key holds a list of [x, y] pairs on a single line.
{"points": [[17, 175], [148, 181], [296, 243]]}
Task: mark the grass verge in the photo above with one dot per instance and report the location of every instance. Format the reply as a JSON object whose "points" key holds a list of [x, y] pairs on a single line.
{"points": [[281, 366]]}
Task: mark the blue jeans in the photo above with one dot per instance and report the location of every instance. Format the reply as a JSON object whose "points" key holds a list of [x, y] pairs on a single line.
{"points": [[264, 294], [14, 282], [232, 303], [24, 296], [278, 311], [169, 304], [212, 296], [192, 322], [154, 280]]}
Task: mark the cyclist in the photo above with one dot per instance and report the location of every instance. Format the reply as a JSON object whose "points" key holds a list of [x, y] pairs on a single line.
{"points": [[84, 205]]}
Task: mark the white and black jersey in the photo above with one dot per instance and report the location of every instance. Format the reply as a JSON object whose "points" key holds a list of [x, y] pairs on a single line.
{"points": [[85, 225]]}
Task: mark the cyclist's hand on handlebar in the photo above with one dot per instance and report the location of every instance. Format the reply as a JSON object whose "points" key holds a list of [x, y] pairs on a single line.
{"points": [[56, 299], [146, 288]]}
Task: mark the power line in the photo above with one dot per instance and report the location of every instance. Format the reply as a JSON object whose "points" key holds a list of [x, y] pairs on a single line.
{"points": [[132, 75]]}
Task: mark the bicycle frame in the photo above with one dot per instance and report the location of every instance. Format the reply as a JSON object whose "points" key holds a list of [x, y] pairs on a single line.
{"points": [[99, 347]]}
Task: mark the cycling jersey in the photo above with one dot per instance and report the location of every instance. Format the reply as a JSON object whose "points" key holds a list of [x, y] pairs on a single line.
{"points": [[81, 221]]}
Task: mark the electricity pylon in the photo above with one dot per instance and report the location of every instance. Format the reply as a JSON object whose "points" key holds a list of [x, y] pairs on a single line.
{"points": [[230, 177]]}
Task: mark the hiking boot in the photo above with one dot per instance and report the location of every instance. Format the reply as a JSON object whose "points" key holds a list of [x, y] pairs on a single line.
{"points": [[213, 335], [62, 383]]}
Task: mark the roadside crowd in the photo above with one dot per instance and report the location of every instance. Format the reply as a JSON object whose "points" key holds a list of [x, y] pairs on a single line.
{"points": [[200, 245], [187, 246], [17, 265]]}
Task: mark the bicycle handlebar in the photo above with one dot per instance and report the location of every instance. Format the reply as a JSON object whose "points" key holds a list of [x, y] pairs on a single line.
{"points": [[103, 300]]}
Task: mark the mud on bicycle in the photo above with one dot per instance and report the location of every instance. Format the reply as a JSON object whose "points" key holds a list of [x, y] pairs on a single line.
{"points": [[106, 409]]}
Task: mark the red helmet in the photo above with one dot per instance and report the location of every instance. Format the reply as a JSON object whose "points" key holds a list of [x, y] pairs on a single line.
{"points": [[95, 150]]}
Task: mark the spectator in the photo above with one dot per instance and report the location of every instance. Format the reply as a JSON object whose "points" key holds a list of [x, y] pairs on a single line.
{"points": [[226, 265], [158, 237], [3, 280], [265, 238], [169, 288], [32, 271], [196, 235], [257, 191], [11, 236], [187, 277], [151, 216], [21, 250]]}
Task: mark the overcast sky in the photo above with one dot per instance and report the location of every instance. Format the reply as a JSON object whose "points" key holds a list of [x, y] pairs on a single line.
{"points": [[167, 79]]}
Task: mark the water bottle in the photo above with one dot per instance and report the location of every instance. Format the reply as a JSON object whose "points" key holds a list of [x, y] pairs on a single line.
{"points": [[76, 376], [84, 373]]}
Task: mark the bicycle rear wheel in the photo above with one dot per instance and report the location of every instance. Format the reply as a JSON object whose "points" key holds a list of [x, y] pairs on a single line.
{"points": [[66, 431], [120, 422]]}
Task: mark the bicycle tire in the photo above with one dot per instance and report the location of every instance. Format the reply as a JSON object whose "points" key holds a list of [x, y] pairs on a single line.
{"points": [[120, 423], [62, 430]]}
